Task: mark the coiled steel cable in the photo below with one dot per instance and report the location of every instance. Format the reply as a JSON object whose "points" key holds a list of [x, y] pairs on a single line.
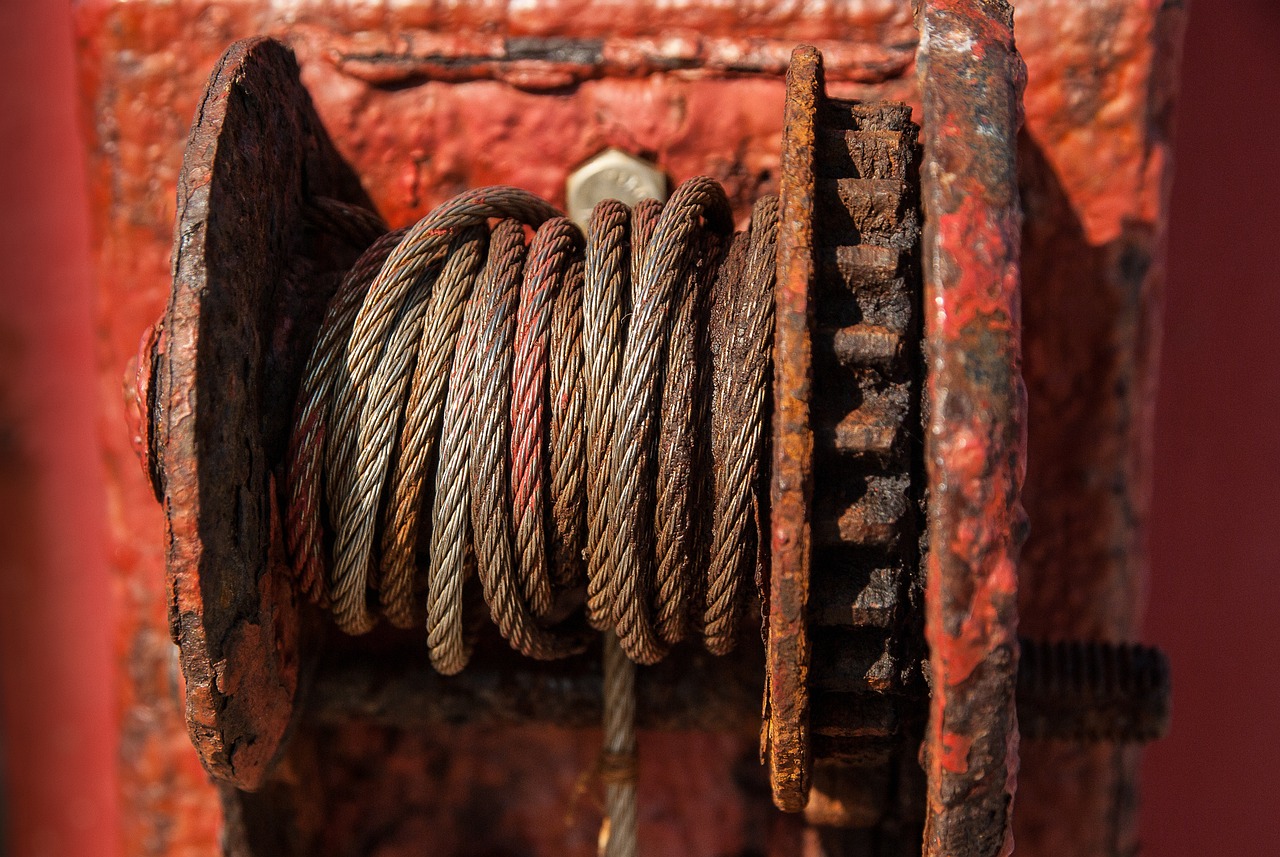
{"points": [[564, 414], [582, 416]]}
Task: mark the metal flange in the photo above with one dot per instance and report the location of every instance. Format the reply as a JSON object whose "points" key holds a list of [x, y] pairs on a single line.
{"points": [[845, 687], [251, 279], [971, 78]]}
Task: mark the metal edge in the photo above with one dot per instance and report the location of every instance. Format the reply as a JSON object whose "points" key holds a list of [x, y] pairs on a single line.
{"points": [[787, 656], [975, 449]]}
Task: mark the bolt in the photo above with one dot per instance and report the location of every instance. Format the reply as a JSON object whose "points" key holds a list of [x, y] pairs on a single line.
{"points": [[1093, 691], [612, 174]]}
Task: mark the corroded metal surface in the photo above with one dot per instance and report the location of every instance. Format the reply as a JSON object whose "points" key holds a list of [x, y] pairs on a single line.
{"points": [[693, 691], [866, 586], [971, 78], [844, 638], [787, 679], [249, 283], [1095, 161]]}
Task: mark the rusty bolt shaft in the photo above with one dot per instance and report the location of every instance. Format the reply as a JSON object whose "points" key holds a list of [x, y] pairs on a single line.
{"points": [[1093, 691]]}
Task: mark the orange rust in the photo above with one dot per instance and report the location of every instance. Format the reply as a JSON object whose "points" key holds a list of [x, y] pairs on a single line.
{"points": [[792, 480]]}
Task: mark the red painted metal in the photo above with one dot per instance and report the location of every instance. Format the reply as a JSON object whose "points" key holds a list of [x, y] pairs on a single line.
{"points": [[971, 77], [414, 142], [1095, 161], [60, 728]]}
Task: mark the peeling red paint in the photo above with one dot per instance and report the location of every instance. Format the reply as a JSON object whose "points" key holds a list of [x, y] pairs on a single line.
{"points": [[955, 752], [974, 448]]}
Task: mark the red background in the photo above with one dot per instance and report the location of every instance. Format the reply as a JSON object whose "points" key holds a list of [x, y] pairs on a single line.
{"points": [[1210, 788]]}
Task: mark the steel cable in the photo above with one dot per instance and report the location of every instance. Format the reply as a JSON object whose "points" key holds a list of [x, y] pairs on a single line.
{"points": [[575, 418]]}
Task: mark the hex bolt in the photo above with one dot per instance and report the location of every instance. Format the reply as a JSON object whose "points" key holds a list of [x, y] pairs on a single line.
{"points": [[1093, 691], [612, 174]]}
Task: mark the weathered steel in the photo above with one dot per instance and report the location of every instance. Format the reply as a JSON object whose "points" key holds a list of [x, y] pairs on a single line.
{"points": [[787, 679], [249, 283], [975, 451]]}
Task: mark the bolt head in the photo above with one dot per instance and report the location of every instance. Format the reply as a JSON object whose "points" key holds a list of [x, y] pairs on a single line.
{"points": [[612, 174]]}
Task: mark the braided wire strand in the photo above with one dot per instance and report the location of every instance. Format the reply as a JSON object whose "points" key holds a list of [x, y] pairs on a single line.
{"points": [[618, 756], [541, 285], [384, 403], [377, 365], [574, 414], [681, 440], [491, 517], [452, 559], [631, 568], [303, 531], [568, 436], [604, 584], [738, 401], [605, 306], [421, 429]]}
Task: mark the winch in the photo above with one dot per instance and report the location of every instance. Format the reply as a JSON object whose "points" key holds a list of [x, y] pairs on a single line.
{"points": [[477, 467]]}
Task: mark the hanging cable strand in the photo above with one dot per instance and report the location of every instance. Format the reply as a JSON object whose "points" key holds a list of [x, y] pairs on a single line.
{"points": [[618, 757], [575, 419]]}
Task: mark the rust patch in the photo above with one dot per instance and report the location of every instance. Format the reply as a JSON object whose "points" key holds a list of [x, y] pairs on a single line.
{"points": [[792, 486]]}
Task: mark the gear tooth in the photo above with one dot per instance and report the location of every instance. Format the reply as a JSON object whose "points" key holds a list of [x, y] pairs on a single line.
{"points": [[863, 154], [866, 369], [860, 599]]}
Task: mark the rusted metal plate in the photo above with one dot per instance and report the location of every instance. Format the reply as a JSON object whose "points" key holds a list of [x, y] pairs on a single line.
{"points": [[249, 283], [787, 702], [975, 450]]}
